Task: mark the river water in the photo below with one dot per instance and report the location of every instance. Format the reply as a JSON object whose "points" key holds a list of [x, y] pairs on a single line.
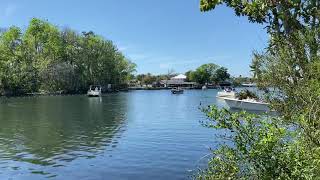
{"points": [[132, 135]]}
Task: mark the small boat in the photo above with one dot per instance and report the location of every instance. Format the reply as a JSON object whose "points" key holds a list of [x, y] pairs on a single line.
{"points": [[204, 87], [94, 91], [227, 92], [177, 90], [246, 104]]}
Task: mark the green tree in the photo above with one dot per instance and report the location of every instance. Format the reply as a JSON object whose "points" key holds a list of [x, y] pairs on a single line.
{"points": [[204, 73], [147, 78], [220, 75], [207, 73], [11, 67], [45, 58], [42, 47], [188, 74], [289, 147]]}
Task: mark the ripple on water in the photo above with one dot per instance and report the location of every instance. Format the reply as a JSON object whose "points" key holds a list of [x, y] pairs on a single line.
{"points": [[136, 135]]}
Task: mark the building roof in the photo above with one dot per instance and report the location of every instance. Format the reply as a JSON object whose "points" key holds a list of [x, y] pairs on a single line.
{"points": [[180, 76], [176, 82]]}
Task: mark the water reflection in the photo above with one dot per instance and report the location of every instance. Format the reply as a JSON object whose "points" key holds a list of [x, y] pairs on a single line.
{"points": [[135, 135], [50, 131]]}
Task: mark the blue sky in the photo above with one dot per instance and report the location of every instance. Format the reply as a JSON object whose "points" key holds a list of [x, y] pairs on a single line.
{"points": [[156, 35]]}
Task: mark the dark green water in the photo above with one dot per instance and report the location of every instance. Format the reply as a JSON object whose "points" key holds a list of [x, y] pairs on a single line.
{"points": [[134, 135]]}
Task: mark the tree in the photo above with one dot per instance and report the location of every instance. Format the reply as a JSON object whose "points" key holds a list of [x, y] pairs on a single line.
{"points": [[220, 75], [204, 73], [207, 73], [10, 54], [45, 58], [281, 17], [291, 66], [146, 78], [188, 74], [42, 47]]}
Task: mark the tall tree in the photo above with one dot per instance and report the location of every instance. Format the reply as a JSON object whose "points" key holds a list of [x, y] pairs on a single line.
{"points": [[207, 73], [220, 75], [286, 147], [11, 67], [45, 58]]}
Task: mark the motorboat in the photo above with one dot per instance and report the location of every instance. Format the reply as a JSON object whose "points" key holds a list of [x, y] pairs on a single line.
{"points": [[204, 87], [177, 90], [94, 91], [227, 92], [246, 104]]}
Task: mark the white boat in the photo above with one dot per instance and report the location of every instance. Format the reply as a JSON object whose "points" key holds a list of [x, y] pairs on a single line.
{"points": [[177, 90], [204, 87], [94, 91], [246, 104], [226, 93]]}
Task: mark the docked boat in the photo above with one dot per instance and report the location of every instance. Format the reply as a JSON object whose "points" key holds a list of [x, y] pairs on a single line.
{"points": [[94, 91], [204, 87], [177, 90], [228, 92], [246, 104]]}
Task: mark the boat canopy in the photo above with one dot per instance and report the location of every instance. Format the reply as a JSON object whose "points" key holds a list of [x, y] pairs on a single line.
{"points": [[93, 87]]}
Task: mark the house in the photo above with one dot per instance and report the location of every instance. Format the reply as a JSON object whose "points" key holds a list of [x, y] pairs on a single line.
{"points": [[178, 81], [180, 77]]}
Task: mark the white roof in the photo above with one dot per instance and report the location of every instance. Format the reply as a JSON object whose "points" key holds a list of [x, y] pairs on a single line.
{"points": [[180, 76]]}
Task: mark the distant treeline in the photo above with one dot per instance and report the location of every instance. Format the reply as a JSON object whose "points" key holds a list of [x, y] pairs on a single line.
{"points": [[44, 58], [205, 74]]}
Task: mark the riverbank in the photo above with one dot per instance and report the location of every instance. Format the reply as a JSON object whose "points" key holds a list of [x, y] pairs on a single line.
{"points": [[64, 93], [168, 88], [58, 93]]}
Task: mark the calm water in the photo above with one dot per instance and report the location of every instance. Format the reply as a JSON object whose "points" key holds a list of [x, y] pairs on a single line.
{"points": [[134, 135]]}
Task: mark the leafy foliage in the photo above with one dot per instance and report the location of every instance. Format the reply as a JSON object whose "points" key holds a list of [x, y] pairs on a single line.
{"points": [[286, 147], [260, 147], [44, 58], [207, 73], [146, 78], [281, 16]]}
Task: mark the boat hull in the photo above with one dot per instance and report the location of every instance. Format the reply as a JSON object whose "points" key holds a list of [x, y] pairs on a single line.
{"points": [[177, 91], [94, 94], [246, 105], [226, 94]]}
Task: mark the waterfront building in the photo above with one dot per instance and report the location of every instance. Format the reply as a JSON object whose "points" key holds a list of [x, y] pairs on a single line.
{"points": [[178, 81]]}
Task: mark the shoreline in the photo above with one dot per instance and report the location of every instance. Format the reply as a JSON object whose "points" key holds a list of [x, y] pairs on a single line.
{"points": [[84, 93]]}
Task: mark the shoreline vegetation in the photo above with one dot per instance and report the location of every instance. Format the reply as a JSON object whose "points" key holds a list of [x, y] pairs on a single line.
{"points": [[45, 59], [286, 146], [124, 89]]}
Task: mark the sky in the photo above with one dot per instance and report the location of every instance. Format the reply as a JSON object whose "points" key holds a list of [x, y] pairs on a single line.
{"points": [[156, 35]]}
